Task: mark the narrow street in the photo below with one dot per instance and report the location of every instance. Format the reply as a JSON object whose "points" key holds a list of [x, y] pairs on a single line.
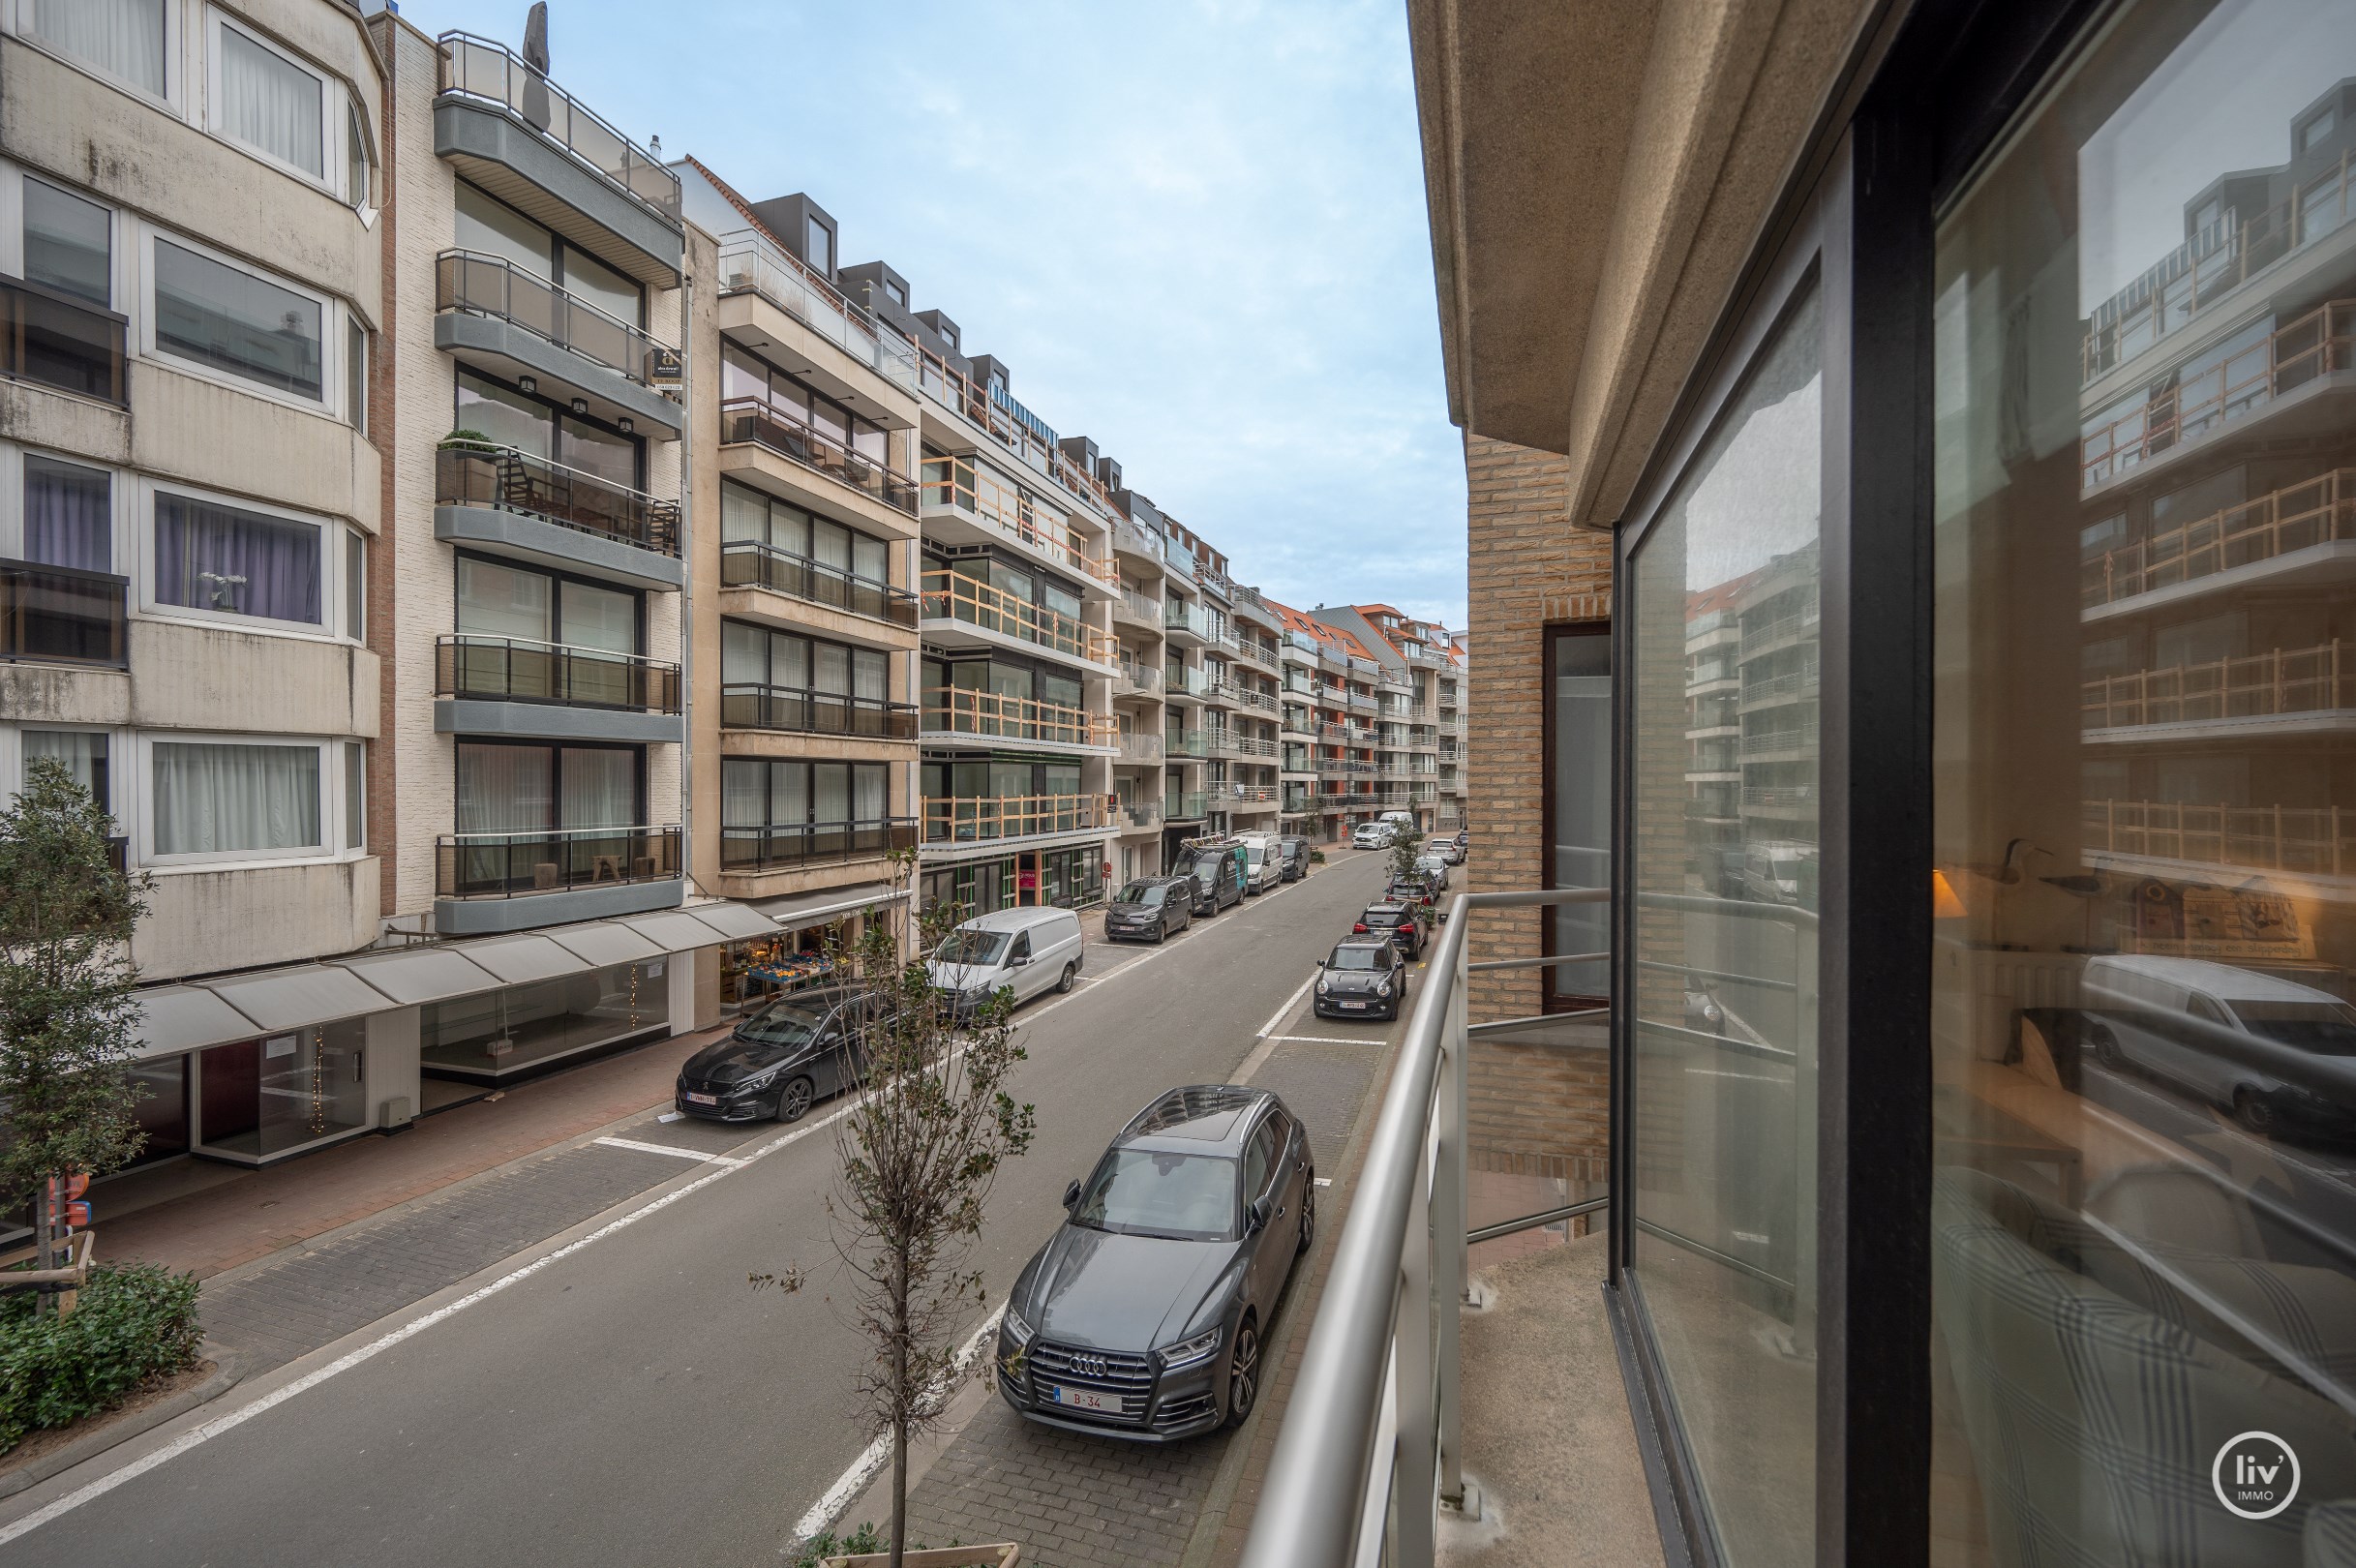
{"points": [[635, 1400]]}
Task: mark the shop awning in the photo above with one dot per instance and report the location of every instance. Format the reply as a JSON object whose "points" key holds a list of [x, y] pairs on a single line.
{"points": [[184, 1017], [674, 930], [604, 942], [520, 960], [298, 996], [736, 922], [803, 909], [415, 975]]}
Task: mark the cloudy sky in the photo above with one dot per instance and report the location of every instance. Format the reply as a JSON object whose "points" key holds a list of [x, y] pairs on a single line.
{"points": [[1194, 229]]}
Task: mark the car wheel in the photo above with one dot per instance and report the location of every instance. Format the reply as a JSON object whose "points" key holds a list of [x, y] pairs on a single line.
{"points": [[1308, 1211], [2253, 1112], [794, 1099], [2106, 1048], [1244, 1374], [1063, 986]]}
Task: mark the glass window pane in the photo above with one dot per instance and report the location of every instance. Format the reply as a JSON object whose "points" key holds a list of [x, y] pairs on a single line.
{"points": [[355, 584], [81, 752], [1580, 779], [69, 515], [68, 243], [870, 673], [741, 375], [505, 416], [124, 38], [495, 229], [870, 559], [870, 787], [600, 788], [355, 374], [210, 556], [227, 318], [788, 661], [743, 514], [617, 293], [2143, 810], [215, 799], [821, 248], [832, 668], [498, 600], [600, 617], [611, 457], [830, 544], [744, 793], [271, 103], [831, 792], [506, 789], [744, 655], [355, 795], [1724, 1116], [789, 792], [355, 158]]}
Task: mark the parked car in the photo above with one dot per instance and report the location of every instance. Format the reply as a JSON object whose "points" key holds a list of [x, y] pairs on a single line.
{"points": [[1029, 950], [778, 1061], [1219, 873], [1452, 850], [1372, 836], [1150, 907], [1292, 857], [1362, 976], [1261, 869], [1404, 821], [1142, 1315], [1772, 873], [1436, 865], [1404, 924], [2275, 1053], [1414, 887]]}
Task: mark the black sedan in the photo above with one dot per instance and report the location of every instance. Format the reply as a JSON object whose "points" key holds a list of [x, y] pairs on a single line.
{"points": [[782, 1058], [1403, 922], [1142, 1317], [1362, 978], [1150, 908]]}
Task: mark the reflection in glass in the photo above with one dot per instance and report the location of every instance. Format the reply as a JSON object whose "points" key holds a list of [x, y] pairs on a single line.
{"points": [[525, 1026], [266, 1097], [236, 322]]}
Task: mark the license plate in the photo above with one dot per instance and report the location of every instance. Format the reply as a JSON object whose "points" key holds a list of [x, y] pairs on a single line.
{"points": [[1359, 1005], [1083, 1398], [694, 1098]]}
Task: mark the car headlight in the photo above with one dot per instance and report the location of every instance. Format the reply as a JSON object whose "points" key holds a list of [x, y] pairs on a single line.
{"points": [[1384, 989], [1187, 1352], [1324, 986], [757, 1082], [1014, 1328]]}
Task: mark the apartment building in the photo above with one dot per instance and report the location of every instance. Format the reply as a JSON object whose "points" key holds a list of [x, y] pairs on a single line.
{"points": [[1418, 721], [1332, 691]]}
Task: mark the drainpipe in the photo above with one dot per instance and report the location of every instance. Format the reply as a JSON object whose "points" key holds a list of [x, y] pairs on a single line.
{"points": [[686, 555]]}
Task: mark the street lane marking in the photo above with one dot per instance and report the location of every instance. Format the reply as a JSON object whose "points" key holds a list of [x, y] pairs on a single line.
{"points": [[669, 1149], [1277, 1019], [1329, 1039]]}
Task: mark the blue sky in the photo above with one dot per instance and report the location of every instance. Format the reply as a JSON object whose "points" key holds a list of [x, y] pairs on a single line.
{"points": [[1193, 229]]}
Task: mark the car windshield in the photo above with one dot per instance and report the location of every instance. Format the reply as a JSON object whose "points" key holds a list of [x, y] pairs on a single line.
{"points": [[1141, 893], [1254, 857], [966, 947], [1147, 1192], [1787, 871], [785, 1024], [2326, 1028], [1356, 959]]}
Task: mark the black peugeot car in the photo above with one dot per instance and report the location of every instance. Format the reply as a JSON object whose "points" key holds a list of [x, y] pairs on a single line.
{"points": [[1362, 978], [782, 1058], [1403, 922], [1142, 1317], [1150, 907]]}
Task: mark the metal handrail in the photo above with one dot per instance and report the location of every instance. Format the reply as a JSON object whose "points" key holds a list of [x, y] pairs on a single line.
{"points": [[479, 67], [483, 284], [757, 422], [1377, 1362]]}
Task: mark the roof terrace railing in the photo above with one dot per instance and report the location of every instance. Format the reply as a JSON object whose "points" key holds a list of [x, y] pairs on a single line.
{"points": [[478, 67], [751, 264]]}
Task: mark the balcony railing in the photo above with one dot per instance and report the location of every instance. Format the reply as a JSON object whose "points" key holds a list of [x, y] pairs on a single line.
{"points": [[1759, 743], [1140, 813], [1183, 678], [1178, 615], [1139, 608], [752, 421], [480, 474], [750, 264], [478, 67], [972, 489], [58, 615], [1780, 795], [516, 670], [1244, 696], [1186, 805], [975, 819], [1794, 685], [1140, 746], [490, 286], [508, 865], [1230, 743], [750, 563], [798, 711], [1003, 419], [61, 342], [2259, 685], [1193, 744], [2317, 344], [969, 710], [1138, 681], [1251, 649], [2319, 842], [1242, 794], [768, 847], [2321, 510], [955, 596]]}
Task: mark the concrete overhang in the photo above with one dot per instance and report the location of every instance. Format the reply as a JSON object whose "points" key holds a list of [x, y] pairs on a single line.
{"points": [[523, 168], [507, 350], [472, 917], [553, 721], [535, 539]]}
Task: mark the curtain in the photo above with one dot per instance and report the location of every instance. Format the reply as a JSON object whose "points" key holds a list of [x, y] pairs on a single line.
{"points": [[743, 794], [600, 617], [502, 601], [868, 798], [744, 655], [600, 788], [743, 514], [830, 544], [270, 103], [870, 559], [789, 792], [83, 753], [69, 518], [831, 790], [218, 557], [833, 669], [214, 799], [503, 789], [124, 36], [868, 672]]}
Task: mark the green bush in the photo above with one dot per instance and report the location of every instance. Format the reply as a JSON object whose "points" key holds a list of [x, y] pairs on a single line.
{"points": [[130, 1322]]}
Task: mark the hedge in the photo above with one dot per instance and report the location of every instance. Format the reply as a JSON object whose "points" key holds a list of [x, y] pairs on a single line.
{"points": [[130, 1322]]}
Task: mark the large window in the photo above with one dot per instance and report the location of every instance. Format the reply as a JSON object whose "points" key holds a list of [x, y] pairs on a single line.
{"points": [[221, 799], [747, 516], [509, 416], [782, 396], [266, 100], [69, 243], [781, 813], [489, 226], [1579, 805], [238, 323], [122, 37], [533, 789], [228, 560], [522, 1028], [268, 1096], [69, 515]]}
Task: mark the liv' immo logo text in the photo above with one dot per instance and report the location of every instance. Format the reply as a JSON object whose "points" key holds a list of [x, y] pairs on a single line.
{"points": [[2255, 1475]]}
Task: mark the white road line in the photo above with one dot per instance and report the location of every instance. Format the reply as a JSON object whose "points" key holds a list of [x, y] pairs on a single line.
{"points": [[1281, 1013], [1328, 1040], [669, 1149]]}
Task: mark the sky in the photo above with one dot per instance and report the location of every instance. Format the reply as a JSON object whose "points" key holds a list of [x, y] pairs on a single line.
{"points": [[1193, 229]]}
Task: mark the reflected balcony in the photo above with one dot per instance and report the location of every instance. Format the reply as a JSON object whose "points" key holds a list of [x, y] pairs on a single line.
{"points": [[984, 819], [2281, 690], [65, 344], [58, 615]]}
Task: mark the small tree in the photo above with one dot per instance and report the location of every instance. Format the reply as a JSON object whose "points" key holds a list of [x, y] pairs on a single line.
{"points": [[916, 1157], [68, 1002], [1405, 848]]}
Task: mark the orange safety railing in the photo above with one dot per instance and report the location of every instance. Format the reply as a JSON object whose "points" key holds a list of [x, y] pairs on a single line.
{"points": [[954, 595], [968, 710], [962, 484], [2314, 840], [947, 384], [958, 819], [2314, 511], [2256, 685]]}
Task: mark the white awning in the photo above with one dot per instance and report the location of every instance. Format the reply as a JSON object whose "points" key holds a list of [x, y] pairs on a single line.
{"points": [[674, 930], [415, 975], [604, 942], [736, 922], [184, 1017], [803, 909], [520, 960], [298, 996]]}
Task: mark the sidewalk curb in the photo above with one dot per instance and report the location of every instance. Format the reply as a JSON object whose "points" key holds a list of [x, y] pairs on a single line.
{"points": [[227, 1373]]}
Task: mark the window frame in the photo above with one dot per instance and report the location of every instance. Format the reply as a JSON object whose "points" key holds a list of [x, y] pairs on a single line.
{"points": [[334, 127], [20, 26], [11, 760], [333, 546], [122, 541], [333, 313], [141, 820]]}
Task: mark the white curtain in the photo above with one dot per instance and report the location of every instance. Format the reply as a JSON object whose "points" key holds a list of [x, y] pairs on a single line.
{"points": [[869, 783], [744, 653], [124, 36], [503, 789], [83, 754], [215, 799], [600, 788], [502, 601], [743, 794], [268, 102]]}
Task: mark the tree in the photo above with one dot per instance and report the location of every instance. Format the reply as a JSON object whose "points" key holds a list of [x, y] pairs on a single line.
{"points": [[916, 1154], [67, 992], [1405, 848]]}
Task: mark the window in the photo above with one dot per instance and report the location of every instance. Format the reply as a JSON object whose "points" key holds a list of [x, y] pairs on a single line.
{"points": [[522, 1027], [68, 243], [123, 38], [214, 799], [822, 249], [267, 101], [356, 374], [537, 428], [489, 226], [355, 584], [898, 294], [81, 752], [234, 322], [782, 812], [357, 165], [268, 1096], [2311, 135], [226, 561], [1577, 722], [748, 515], [355, 795], [500, 598], [69, 515], [547, 788]]}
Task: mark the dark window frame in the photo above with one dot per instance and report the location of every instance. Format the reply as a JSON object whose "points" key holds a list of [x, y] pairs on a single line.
{"points": [[558, 413], [555, 772], [1551, 997], [560, 577]]}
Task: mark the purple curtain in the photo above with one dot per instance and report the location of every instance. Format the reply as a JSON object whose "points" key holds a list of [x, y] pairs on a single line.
{"points": [[68, 521], [218, 557]]}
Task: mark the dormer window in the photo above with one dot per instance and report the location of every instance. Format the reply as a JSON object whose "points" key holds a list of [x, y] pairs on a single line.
{"points": [[898, 295], [2312, 133], [821, 248]]}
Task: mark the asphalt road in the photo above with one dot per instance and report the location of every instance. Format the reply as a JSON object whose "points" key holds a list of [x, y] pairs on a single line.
{"points": [[636, 1401]]}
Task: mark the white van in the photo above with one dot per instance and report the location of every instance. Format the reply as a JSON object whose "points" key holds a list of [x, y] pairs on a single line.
{"points": [[1263, 866], [2268, 1050], [1405, 819], [1029, 949]]}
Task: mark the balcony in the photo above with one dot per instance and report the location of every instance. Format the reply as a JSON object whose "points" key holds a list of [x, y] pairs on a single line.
{"points": [[953, 601], [997, 415], [747, 849], [1245, 794], [1186, 805], [56, 341], [511, 686], [958, 490], [2308, 841], [501, 318], [1185, 744], [1135, 679], [1792, 686], [1238, 695], [753, 422], [510, 129], [1140, 747], [2289, 685], [507, 503], [798, 711], [1182, 683], [509, 882], [1251, 649], [1138, 815], [1249, 606], [1230, 743], [1781, 796], [1363, 701], [1187, 625], [964, 710], [750, 264], [983, 819], [1138, 544], [1134, 609], [750, 563], [57, 615], [1797, 740], [2305, 517]]}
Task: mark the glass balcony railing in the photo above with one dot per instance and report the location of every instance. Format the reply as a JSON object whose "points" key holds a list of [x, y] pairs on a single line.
{"points": [[515, 670], [57, 615], [751, 264], [972, 819], [508, 865], [750, 563], [1179, 615], [768, 847], [1141, 746], [798, 711], [1137, 680], [60, 342], [1184, 679], [1185, 744], [758, 423], [1186, 805], [479, 69], [954, 596], [471, 473], [490, 286]]}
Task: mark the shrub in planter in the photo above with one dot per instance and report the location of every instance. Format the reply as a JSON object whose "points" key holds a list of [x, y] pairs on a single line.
{"points": [[131, 1322]]}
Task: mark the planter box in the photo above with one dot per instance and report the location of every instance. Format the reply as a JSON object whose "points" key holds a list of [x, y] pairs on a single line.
{"points": [[1003, 1555]]}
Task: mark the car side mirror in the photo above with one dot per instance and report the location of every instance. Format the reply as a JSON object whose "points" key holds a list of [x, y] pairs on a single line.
{"points": [[1018, 960], [1255, 1217], [1072, 1195]]}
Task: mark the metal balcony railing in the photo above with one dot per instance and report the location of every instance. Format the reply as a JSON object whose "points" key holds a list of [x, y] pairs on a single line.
{"points": [[519, 669], [2316, 511], [473, 473], [1013, 427], [974, 818], [2271, 684], [58, 615], [955, 596], [751, 264], [969, 710], [491, 286], [478, 67], [1760, 744], [508, 865], [760, 423], [61, 342], [770, 846], [798, 711], [750, 563]]}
